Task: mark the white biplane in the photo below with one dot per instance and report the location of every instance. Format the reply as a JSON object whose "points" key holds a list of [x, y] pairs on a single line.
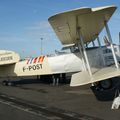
{"points": [[75, 29]]}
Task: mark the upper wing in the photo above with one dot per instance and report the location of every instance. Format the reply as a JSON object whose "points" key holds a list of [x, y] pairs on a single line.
{"points": [[90, 20]]}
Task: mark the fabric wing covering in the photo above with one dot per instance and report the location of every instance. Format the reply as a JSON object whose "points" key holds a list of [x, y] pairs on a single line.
{"points": [[90, 21]]}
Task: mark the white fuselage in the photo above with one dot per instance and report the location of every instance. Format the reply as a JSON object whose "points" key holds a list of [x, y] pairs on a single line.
{"points": [[63, 63]]}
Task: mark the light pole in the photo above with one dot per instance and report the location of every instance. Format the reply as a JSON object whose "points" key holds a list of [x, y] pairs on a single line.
{"points": [[41, 45]]}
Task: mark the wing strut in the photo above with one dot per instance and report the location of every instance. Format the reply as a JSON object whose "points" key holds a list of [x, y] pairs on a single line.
{"points": [[111, 44], [81, 53], [98, 40], [84, 52]]}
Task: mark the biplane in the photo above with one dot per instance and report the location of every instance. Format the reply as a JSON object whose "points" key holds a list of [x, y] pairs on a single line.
{"points": [[76, 29]]}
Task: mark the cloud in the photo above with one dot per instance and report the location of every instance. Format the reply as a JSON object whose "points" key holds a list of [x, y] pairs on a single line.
{"points": [[11, 39], [39, 26], [29, 40], [43, 30], [40, 29]]}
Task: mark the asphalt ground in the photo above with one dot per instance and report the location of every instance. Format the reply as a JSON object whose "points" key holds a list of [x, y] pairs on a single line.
{"points": [[10, 113], [48, 102]]}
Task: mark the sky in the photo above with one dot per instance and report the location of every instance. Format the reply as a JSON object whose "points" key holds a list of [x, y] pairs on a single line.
{"points": [[24, 22]]}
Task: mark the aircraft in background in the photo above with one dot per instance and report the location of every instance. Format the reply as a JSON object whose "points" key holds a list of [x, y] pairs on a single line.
{"points": [[76, 29]]}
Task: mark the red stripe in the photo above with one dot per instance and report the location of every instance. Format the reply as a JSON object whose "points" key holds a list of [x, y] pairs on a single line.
{"points": [[35, 60]]}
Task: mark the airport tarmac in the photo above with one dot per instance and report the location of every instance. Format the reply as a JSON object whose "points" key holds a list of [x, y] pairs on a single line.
{"points": [[47, 102]]}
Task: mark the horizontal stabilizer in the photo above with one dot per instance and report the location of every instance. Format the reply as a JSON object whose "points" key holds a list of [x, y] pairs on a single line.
{"points": [[8, 57]]}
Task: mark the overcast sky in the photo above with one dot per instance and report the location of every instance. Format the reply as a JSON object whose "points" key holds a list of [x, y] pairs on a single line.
{"points": [[24, 22]]}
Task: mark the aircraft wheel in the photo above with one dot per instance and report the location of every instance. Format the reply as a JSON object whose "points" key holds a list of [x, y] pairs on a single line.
{"points": [[9, 83], [5, 83], [106, 84]]}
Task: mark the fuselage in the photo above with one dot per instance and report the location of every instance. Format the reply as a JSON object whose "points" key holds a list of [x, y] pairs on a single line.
{"points": [[11, 65]]}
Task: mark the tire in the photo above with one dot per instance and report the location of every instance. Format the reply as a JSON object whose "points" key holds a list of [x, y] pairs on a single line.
{"points": [[9, 83], [5, 83], [106, 84]]}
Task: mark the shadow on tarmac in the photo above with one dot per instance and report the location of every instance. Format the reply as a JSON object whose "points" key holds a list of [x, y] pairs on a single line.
{"points": [[42, 79], [101, 95]]}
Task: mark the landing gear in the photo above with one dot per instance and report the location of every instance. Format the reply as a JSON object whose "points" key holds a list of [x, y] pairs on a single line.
{"points": [[106, 84], [4, 83], [7, 83]]}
